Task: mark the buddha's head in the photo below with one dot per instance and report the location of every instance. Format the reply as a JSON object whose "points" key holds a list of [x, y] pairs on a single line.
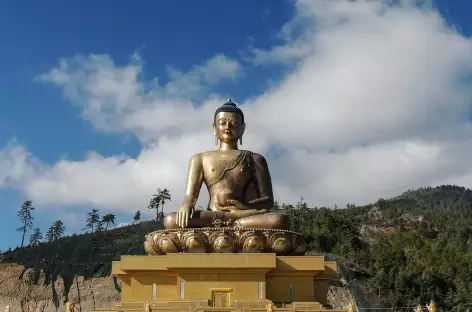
{"points": [[228, 123]]}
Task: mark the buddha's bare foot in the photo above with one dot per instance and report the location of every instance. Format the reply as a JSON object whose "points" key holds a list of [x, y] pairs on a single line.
{"points": [[238, 218]]}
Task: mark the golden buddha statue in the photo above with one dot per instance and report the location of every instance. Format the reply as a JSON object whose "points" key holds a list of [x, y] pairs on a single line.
{"points": [[238, 216], [238, 182]]}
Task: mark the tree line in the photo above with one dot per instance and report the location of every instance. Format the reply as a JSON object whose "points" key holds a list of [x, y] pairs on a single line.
{"points": [[55, 231], [406, 250], [93, 221]]}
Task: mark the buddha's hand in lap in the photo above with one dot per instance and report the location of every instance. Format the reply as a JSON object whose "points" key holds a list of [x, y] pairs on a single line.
{"points": [[238, 214], [184, 214], [238, 210], [233, 205]]}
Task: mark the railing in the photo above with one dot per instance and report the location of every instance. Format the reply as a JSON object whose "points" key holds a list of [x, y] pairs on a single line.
{"points": [[196, 306], [245, 309]]}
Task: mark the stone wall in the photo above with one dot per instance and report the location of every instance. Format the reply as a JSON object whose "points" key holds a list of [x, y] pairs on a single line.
{"points": [[22, 296]]}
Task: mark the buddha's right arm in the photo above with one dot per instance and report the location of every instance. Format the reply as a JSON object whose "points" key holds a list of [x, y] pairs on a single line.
{"points": [[194, 180]]}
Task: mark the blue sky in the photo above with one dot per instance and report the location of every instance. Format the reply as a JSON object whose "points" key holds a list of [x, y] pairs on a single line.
{"points": [[181, 34], [36, 36]]}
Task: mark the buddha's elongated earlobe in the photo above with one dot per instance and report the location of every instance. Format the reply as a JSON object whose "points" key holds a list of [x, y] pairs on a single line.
{"points": [[241, 140], [214, 133]]}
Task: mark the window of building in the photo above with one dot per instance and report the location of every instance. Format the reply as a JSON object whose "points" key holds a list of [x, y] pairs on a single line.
{"points": [[259, 290], [182, 284], [290, 292], [154, 289]]}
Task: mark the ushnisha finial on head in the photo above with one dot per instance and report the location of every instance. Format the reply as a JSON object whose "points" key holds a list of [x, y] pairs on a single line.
{"points": [[229, 107]]}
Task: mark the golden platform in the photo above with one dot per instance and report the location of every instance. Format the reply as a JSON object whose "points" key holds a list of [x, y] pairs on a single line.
{"points": [[224, 240], [223, 282]]}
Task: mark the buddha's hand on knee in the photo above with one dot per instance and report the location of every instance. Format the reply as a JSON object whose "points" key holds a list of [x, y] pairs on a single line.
{"points": [[184, 214]]}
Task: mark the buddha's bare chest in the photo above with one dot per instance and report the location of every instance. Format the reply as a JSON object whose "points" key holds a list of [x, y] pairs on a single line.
{"points": [[227, 169]]}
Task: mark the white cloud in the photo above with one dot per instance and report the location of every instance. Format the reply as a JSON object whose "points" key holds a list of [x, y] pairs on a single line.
{"points": [[211, 72], [17, 165], [115, 99], [374, 105]]}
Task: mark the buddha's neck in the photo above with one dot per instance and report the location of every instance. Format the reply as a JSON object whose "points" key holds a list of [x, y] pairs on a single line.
{"points": [[231, 146]]}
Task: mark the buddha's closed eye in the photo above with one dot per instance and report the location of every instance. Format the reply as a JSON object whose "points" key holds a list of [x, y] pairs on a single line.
{"points": [[224, 121]]}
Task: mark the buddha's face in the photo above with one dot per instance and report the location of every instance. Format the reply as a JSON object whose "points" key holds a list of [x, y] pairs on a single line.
{"points": [[228, 127]]}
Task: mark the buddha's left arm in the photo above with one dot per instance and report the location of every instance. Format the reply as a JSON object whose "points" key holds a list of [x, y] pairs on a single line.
{"points": [[264, 184]]}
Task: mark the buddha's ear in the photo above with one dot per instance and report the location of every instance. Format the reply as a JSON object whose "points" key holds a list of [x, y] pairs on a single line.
{"points": [[243, 128], [214, 128]]}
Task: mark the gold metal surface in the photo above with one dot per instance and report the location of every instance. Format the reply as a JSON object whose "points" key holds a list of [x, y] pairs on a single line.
{"points": [[351, 307], [224, 240], [270, 307], [252, 281], [238, 182], [431, 307], [221, 297]]}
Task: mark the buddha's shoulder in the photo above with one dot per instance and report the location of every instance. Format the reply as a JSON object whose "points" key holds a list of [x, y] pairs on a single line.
{"points": [[208, 155], [203, 155], [211, 154], [217, 152], [258, 158]]}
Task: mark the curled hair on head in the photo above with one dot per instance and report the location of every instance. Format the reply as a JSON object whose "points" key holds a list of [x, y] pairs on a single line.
{"points": [[229, 107]]}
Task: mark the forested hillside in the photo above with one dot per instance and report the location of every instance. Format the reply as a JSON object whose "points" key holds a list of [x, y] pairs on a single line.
{"points": [[408, 249], [405, 250], [86, 255]]}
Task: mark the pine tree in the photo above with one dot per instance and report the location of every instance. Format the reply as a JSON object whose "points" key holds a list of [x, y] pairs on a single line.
{"points": [[137, 216], [159, 199], [26, 218], [107, 219], [164, 196], [155, 202], [93, 219], [36, 237], [99, 227], [55, 231]]}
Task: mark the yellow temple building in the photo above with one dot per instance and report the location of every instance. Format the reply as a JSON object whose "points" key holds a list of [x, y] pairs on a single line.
{"points": [[223, 282]]}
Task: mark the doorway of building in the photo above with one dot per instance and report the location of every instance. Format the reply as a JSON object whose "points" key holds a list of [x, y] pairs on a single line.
{"points": [[221, 297]]}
